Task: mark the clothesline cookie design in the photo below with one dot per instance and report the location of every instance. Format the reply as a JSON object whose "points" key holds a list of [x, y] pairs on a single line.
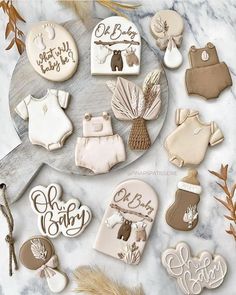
{"points": [[127, 222], [56, 216], [52, 51], [99, 149], [193, 274], [115, 47], [188, 143], [38, 254], [167, 27], [48, 124]]}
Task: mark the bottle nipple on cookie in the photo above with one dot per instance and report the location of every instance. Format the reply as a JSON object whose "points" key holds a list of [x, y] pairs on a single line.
{"points": [[172, 58]]}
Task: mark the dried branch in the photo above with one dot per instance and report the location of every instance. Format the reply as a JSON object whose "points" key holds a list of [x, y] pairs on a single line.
{"points": [[131, 42], [228, 203], [12, 27]]}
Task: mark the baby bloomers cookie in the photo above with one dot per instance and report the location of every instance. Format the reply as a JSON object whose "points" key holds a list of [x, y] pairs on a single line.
{"points": [[38, 254], [208, 77], [56, 216], [193, 274], [183, 213], [52, 51], [167, 27], [115, 47], [188, 143], [49, 126], [99, 149], [131, 103], [127, 222]]}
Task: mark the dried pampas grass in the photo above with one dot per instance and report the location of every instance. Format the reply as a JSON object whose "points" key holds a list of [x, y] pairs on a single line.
{"points": [[93, 281]]}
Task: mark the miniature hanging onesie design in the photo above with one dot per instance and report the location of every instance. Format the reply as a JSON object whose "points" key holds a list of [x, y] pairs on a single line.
{"points": [[127, 222], [48, 124]]}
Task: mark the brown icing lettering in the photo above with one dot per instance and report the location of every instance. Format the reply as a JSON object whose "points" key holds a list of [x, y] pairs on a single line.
{"points": [[115, 33]]}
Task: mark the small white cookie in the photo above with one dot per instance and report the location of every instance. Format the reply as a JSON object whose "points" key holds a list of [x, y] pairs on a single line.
{"points": [[52, 51], [193, 274]]}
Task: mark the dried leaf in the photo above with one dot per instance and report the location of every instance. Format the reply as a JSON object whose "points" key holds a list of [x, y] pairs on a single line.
{"points": [[224, 171], [224, 188], [16, 14], [223, 203], [20, 45], [11, 44], [216, 174], [233, 190], [9, 29], [229, 217]]}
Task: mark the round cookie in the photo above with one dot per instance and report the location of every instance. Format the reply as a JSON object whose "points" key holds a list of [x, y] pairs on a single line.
{"points": [[52, 51], [28, 256]]}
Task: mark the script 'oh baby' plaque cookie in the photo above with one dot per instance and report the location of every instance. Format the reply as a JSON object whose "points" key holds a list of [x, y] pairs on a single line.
{"points": [[56, 216], [52, 51], [127, 222], [193, 274], [115, 47]]}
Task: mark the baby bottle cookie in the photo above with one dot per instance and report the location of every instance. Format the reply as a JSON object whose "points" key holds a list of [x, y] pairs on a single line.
{"points": [[183, 213], [167, 27], [127, 222], [115, 47], [192, 273], [38, 254]]}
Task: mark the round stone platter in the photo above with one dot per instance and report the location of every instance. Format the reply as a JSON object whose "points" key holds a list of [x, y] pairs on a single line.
{"points": [[88, 94]]}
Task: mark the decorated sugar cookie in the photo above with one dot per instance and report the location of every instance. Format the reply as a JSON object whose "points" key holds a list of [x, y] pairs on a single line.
{"points": [[99, 149], [56, 216], [183, 213], [52, 51], [127, 222], [131, 103], [38, 254], [115, 47], [193, 274], [207, 77], [167, 27]]}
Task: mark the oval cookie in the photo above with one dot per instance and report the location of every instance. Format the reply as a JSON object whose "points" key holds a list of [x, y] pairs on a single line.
{"points": [[52, 51]]}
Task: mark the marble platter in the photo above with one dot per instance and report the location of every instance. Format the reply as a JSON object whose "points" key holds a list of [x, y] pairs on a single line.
{"points": [[88, 94]]}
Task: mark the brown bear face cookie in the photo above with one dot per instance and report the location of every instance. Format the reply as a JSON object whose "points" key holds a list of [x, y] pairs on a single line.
{"points": [[183, 213], [208, 77], [37, 253]]}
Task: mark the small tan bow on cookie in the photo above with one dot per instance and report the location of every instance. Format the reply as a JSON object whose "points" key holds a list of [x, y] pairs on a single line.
{"points": [[46, 270]]}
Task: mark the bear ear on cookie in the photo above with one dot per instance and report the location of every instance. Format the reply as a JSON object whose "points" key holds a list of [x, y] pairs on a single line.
{"points": [[115, 47]]}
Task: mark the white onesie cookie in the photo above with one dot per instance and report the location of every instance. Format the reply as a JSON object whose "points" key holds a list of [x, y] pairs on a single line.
{"points": [[48, 124]]}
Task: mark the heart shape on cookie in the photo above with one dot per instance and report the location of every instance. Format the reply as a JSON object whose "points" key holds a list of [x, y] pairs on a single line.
{"points": [[56, 216], [193, 274]]}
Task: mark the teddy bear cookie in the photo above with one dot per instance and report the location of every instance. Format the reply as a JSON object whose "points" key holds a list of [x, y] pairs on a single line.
{"points": [[127, 222], [167, 27], [131, 103], [38, 254], [183, 213], [188, 143], [193, 274], [52, 51], [49, 126], [56, 216], [208, 77], [99, 149], [115, 47]]}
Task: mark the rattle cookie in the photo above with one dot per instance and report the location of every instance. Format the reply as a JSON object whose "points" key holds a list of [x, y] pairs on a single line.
{"points": [[127, 222], [38, 254], [115, 47], [208, 77], [167, 27], [188, 143], [183, 213], [193, 274], [52, 51]]}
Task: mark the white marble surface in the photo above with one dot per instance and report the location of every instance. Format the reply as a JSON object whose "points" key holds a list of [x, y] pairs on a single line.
{"points": [[204, 21]]}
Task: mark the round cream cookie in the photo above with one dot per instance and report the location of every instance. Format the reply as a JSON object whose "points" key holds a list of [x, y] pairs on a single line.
{"points": [[52, 51]]}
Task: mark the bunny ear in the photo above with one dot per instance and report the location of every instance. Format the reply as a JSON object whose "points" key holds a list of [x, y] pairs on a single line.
{"points": [[128, 101]]}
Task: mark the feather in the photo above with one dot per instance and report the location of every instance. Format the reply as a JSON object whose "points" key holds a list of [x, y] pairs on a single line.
{"points": [[38, 249], [93, 281]]}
